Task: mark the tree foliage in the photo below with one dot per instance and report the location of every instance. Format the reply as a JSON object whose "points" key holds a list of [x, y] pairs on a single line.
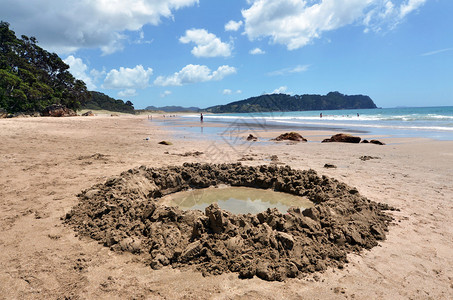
{"points": [[284, 102], [32, 78], [99, 100]]}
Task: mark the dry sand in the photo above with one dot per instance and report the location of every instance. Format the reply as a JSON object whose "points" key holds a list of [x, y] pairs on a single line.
{"points": [[46, 162]]}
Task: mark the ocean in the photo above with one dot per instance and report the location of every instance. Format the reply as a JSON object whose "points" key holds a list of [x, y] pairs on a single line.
{"points": [[427, 122]]}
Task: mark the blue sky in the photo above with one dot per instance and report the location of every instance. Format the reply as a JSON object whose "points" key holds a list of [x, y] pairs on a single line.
{"points": [[203, 53]]}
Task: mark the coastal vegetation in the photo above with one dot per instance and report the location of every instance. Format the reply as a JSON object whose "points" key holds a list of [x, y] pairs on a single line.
{"points": [[100, 101], [32, 78], [284, 102]]}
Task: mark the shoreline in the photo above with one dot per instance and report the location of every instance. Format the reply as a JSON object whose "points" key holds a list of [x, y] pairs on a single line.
{"points": [[393, 122], [48, 161]]}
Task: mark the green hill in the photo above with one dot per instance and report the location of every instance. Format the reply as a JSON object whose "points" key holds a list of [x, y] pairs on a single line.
{"points": [[99, 101], [173, 108], [284, 102]]}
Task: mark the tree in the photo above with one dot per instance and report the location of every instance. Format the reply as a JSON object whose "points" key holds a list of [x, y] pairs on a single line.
{"points": [[31, 78]]}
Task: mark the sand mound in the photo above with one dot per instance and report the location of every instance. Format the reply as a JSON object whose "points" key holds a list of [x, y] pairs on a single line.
{"points": [[124, 214]]}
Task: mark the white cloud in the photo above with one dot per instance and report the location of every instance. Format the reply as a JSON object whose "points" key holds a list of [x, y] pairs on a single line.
{"points": [[256, 51], [410, 6], [280, 90], [233, 25], [165, 94], [437, 52], [230, 92], [79, 70], [127, 93], [127, 78], [389, 14], [296, 23], [286, 71], [193, 74], [207, 44], [64, 26]]}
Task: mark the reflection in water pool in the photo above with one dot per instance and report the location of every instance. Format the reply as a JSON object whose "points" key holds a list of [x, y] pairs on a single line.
{"points": [[238, 200]]}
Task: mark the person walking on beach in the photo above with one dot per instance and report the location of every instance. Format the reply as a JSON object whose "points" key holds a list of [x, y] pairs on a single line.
{"points": [[320, 115], [201, 117]]}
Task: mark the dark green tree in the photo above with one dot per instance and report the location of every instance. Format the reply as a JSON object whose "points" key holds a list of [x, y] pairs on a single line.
{"points": [[32, 78]]}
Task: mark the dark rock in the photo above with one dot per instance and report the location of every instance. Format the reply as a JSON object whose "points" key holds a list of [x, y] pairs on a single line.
{"points": [[365, 142], [376, 142], [165, 143], [290, 136], [343, 138], [330, 166], [367, 157], [58, 110], [88, 114], [252, 138]]}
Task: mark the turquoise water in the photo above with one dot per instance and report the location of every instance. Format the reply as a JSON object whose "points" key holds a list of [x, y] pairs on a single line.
{"points": [[429, 122]]}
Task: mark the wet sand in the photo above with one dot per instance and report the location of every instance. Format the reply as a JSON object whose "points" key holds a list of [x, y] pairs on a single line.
{"points": [[46, 162]]}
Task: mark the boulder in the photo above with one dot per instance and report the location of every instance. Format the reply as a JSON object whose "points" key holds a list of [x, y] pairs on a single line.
{"points": [[252, 138], [377, 142], [343, 138], [165, 143], [291, 136], [88, 114], [58, 110]]}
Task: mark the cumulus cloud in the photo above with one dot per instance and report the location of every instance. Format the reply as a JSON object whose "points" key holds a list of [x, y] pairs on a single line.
{"points": [[290, 70], [193, 74], [280, 90], [127, 78], [256, 51], [207, 44], [165, 94], [127, 93], [233, 25], [296, 23], [79, 70], [64, 26]]}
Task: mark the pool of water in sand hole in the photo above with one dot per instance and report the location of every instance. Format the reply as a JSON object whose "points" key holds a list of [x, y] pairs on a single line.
{"points": [[237, 200]]}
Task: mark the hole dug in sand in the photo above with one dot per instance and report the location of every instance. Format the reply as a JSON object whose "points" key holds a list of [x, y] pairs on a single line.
{"points": [[127, 213]]}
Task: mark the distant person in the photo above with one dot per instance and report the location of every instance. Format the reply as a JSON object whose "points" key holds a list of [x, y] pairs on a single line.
{"points": [[320, 115], [201, 117], [358, 115]]}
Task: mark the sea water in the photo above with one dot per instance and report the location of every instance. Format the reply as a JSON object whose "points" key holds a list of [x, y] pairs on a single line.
{"points": [[428, 122], [238, 200]]}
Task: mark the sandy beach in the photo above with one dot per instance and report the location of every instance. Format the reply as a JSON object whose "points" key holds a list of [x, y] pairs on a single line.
{"points": [[46, 162]]}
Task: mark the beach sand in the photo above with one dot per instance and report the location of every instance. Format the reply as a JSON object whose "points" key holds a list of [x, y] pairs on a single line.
{"points": [[46, 162]]}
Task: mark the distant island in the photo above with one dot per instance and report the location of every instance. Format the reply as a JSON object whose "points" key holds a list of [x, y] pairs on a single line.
{"points": [[173, 108], [284, 102]]}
